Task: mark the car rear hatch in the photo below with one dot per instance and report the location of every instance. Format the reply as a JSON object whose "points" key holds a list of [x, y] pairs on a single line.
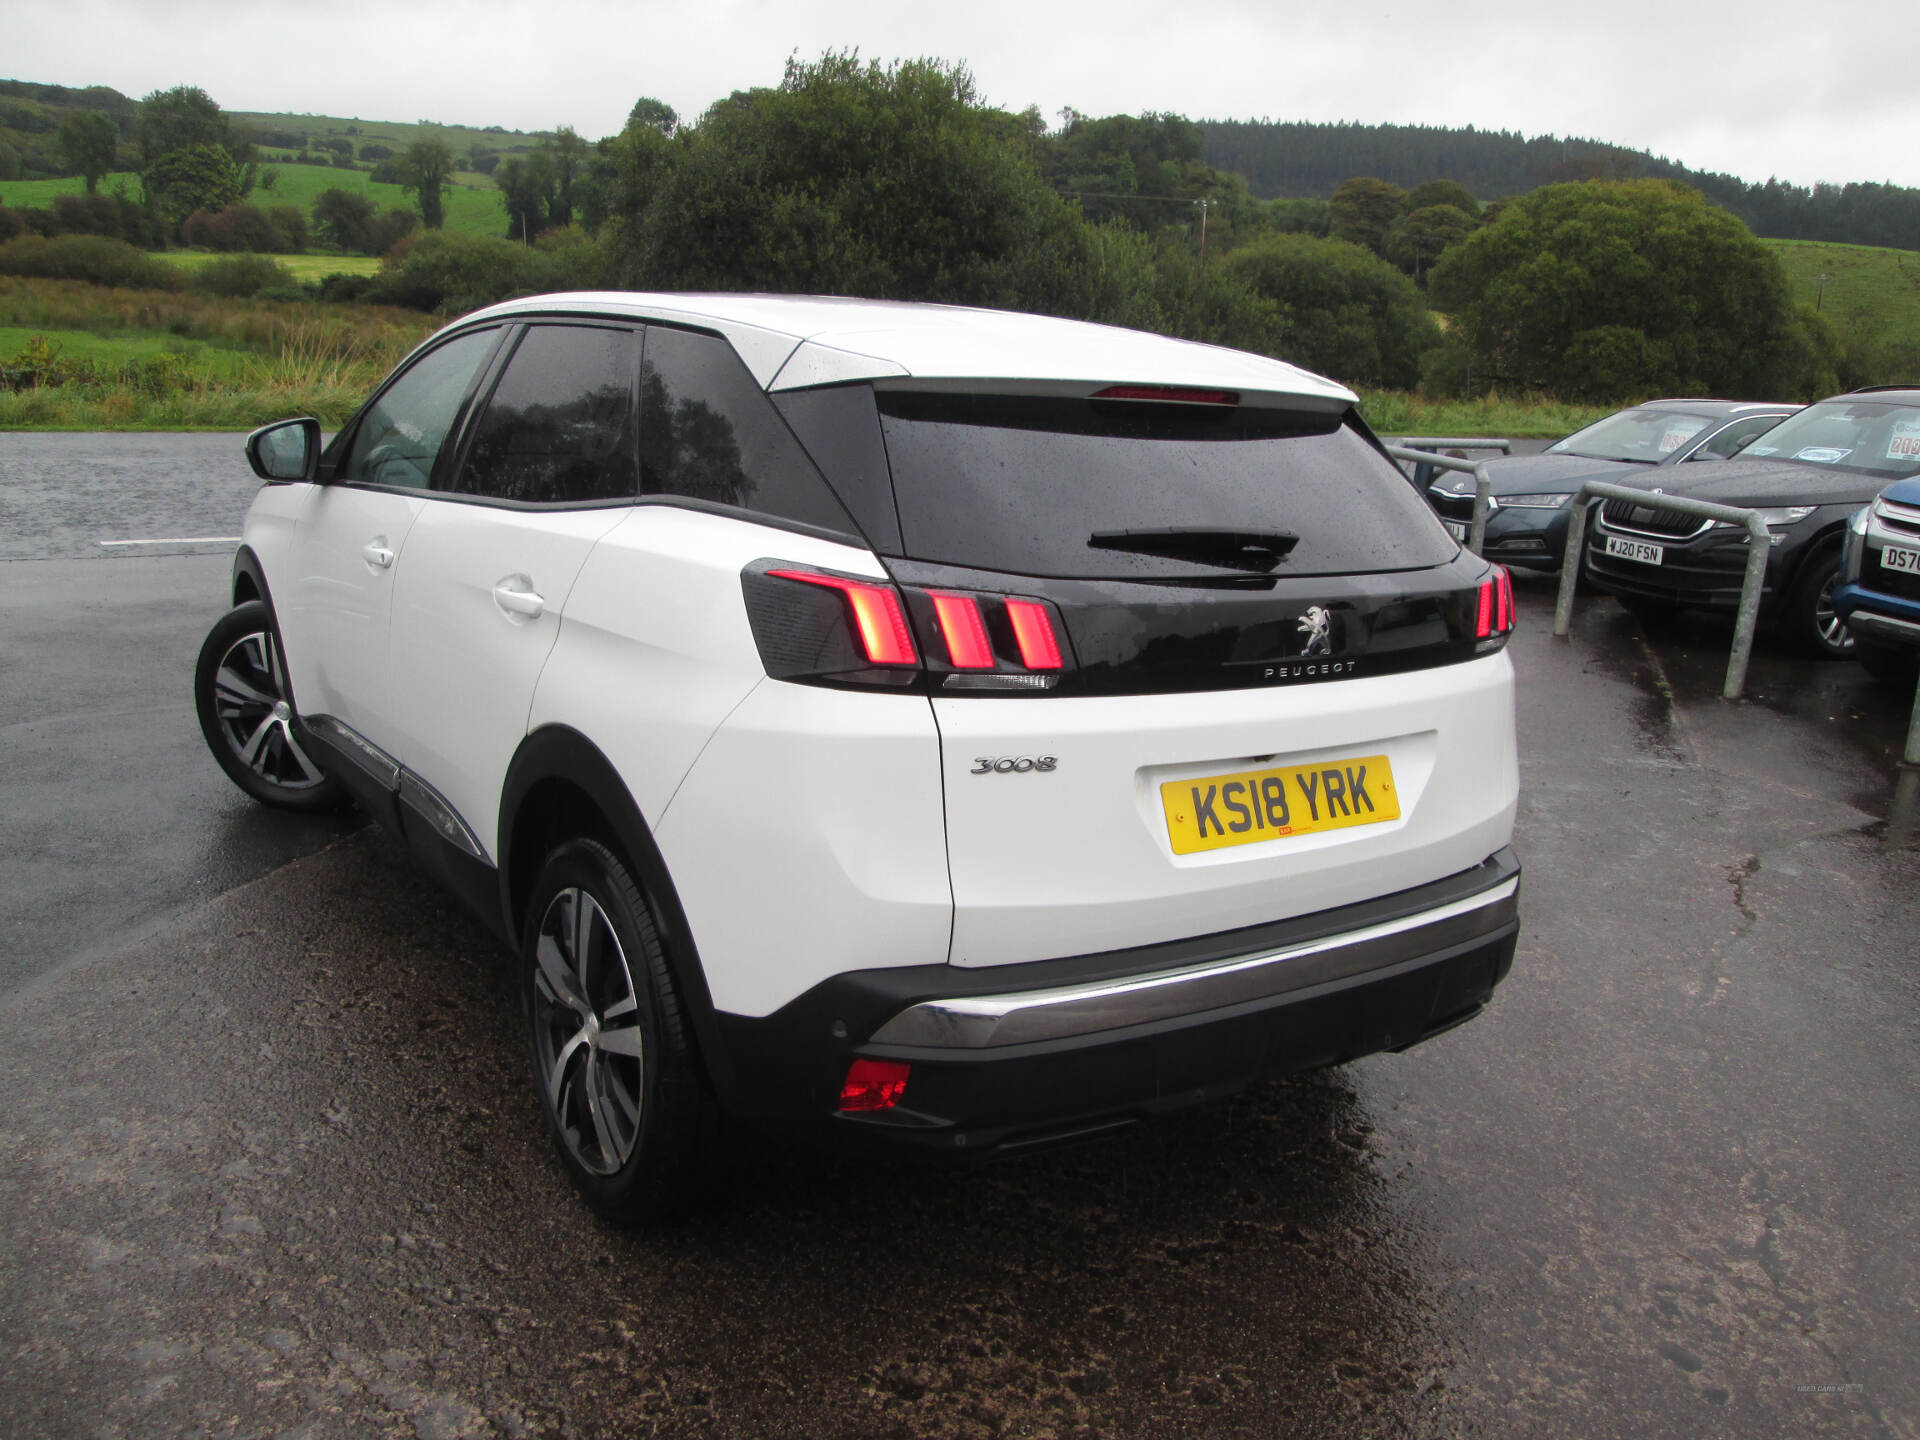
{"points": [[1196, 664]]}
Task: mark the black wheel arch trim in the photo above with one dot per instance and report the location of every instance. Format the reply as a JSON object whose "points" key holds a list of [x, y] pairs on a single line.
{"points": [[250, 579], [559, 752]]}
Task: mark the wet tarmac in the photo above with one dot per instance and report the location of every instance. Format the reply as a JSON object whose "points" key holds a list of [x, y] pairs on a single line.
{"points": [[276, 1169]]}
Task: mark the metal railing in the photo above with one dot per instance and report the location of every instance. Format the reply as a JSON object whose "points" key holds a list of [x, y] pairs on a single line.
{"points": [[1482, 482], [1759, 547], [1434, 442]]}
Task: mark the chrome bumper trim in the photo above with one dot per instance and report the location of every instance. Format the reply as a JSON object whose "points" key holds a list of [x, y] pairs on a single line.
{"points": [[982, 1022]]}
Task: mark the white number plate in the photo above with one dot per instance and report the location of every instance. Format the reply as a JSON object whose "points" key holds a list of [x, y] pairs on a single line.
{"points": [[1635, 550], [1899, 557], [1457, 529]]}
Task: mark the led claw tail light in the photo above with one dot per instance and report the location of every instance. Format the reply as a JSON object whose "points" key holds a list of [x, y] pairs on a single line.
{"points": [[873, 1085], [824, 628], [1493, 618]]}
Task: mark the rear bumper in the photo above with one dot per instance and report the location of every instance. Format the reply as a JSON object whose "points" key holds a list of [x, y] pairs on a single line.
{"points": [[1010, 1057]]}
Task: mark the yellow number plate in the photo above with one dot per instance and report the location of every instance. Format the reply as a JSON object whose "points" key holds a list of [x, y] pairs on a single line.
{"points": [[1253, 805]]}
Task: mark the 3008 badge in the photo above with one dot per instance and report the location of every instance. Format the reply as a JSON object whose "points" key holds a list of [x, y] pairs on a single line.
{"points": [[1012, 764]]}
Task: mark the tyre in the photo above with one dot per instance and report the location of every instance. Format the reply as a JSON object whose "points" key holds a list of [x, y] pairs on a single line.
{"points": [[1810, 623], [1892, 665], [246, 713], [607, 1038]]}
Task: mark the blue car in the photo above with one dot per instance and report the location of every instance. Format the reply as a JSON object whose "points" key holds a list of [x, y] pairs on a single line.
{"points": [[1879, 591]]}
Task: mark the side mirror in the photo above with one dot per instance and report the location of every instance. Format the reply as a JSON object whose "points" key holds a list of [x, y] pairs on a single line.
{"points": [[285, 450]]}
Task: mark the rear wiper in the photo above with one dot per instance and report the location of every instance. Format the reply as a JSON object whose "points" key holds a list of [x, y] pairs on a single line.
{"points": [[1257, 550]]}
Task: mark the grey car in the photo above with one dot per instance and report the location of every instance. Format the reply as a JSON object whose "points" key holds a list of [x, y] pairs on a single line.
{"points": [[1527, 520]]}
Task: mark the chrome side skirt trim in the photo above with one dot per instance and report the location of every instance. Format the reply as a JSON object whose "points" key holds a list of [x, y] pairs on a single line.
{"points": [[363, 752], [985, 1021], [392, 776]]}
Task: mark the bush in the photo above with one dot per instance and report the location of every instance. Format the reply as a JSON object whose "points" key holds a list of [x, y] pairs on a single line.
{"points": [[393, 226], [92, 258], [343, 289], [10, 224], [1342, 311], [239, 276], [450, 272]]}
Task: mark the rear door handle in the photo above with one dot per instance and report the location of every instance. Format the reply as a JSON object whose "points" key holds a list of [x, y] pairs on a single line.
{"points": [[376, 553], [516, 596]]}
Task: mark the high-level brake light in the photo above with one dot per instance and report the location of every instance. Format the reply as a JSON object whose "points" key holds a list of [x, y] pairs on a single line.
{"points": [[877, 616], [1168, 394]]}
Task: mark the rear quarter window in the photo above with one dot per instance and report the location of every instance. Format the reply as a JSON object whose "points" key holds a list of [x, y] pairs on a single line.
{"points": [[1022, 484]]}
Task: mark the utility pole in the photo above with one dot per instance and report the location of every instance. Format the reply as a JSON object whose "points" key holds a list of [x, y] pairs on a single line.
{"points": [[1204, 203], [1820, 299]]}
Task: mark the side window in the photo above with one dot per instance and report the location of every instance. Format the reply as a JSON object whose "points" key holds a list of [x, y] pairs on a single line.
{"points": [[559, 425], [708, 432], [1721, 446], [402, 431]]}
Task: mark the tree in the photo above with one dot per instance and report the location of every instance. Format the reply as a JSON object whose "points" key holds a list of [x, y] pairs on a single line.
{"points": [[194, 177], [343, 218], [1362, 208], [525, 186], [173, 119], [567, 157], [1613, 290], [655, 113], [90, 138], [1422, 236], [427, 166], [1443, 192], [1341, 310], [851, 178]]}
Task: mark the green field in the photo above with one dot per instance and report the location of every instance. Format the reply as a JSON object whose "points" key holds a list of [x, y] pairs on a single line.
{"points": [[473, 204], [1876, 290], [217, 361], [396, 135], [304, 267]]}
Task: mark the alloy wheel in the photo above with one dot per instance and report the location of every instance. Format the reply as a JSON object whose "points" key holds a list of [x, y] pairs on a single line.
{"points": [[587, 1039], [255, 717]]}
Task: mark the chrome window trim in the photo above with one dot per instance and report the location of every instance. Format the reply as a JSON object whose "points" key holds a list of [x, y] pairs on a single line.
{"points": [[980, 1022]]}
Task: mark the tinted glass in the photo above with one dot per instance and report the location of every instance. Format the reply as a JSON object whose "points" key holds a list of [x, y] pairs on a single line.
{"points": [[559, 426], [1644, 435], [708, 432], [1875, 437], [1735, 435], [1023, 484], [401, 433]]}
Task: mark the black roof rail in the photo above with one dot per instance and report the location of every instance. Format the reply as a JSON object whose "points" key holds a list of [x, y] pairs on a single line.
{"points": [[1874, 389]]}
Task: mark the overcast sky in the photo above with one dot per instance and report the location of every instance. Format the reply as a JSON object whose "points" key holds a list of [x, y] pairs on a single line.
{"points": [[1756, 89]]}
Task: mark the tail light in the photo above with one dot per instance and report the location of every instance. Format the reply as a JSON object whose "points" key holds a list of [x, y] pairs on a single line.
{"points": [[1494, 616], [820, 627]]}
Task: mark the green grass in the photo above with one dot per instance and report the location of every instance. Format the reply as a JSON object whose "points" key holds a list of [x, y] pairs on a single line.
{"points": [[304, 267], [473, 204], [1868, 288], [1396, 412], [217, 361]]}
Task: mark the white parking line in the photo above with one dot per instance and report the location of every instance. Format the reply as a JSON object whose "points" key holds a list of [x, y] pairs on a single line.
{"points": [[178, 540]]}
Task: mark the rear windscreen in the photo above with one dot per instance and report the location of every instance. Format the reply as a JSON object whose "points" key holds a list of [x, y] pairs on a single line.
{"points": [[1025, 484]]}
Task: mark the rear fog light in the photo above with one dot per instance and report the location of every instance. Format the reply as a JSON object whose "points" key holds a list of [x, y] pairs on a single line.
{"points": [[873, 1085]]}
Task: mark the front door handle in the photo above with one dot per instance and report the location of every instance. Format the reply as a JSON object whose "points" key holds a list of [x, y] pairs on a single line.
{"points": [[376, 553], [516, 596]]}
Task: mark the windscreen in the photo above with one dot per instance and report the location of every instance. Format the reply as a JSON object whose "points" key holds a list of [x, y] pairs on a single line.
{"points": [[1875, 437], [1645, 436], [1057, 486]]}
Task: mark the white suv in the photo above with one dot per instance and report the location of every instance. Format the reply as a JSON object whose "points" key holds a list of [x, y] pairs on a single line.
{"points": [[897, 723]]}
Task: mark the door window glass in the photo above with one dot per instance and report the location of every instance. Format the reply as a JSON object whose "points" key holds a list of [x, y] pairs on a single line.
{"points": [[708, 432], [559, 427], [1737, 434], [402, 431]]}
